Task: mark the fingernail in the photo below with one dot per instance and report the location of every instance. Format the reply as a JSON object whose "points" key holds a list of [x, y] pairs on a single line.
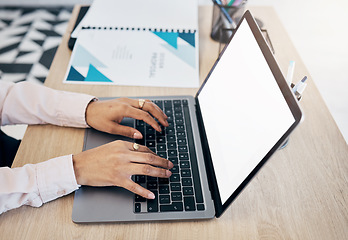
{"points": [[137, 135], [151, 196], [168, 173], [170, 164]]}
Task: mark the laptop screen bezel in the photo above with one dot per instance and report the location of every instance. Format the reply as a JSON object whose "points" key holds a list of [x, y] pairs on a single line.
{"points": [[288, 96]]}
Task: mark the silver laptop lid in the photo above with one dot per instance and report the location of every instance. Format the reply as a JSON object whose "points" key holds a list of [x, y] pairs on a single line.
{"points": [[247, 111]]}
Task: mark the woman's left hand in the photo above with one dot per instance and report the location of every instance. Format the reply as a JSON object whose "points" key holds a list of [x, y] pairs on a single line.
{"points": [[107, 115]]}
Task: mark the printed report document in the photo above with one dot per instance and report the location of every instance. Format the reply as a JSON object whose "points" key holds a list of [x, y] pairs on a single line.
{"points": [[147, 43]]}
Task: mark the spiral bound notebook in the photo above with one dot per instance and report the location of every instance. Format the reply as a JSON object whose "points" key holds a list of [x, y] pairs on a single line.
{"points": [[145, 43]]}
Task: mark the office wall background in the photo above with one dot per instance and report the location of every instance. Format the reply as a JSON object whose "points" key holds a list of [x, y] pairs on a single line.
{"points": [[318, 31]]}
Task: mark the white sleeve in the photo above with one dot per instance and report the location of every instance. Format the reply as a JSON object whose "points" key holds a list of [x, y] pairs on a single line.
{"points": [[35, 184], [30, 103]]}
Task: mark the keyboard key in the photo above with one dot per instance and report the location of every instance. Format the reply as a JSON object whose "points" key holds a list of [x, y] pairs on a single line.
{"points": [[189, 203], [140, 179], [168, 111], [184, 102], [180, 128], [150, 137], [182, 148], [150, 144], [177, 109], [174, 160], [170, 130], [175, 169], [175, 178], [183, 156], [152, 185], [175, 187], [177, 102], [171, 145], [200, 207], [164, 199], [182, 142], [172, 153], [141, 128], [162, 181], [150, 130], [140, 123], [175, 206], [178, 115], [159, 103], [179, 121], [181, 135], [170, 119], [161, 147], [185, 173], [186, 181], [164, 189], [139, 198], [188, 190], [137, 208], [176, 196], [167, 103], [161, 140], [171, 138], [151, 179], [184, 164], [152, 204]]}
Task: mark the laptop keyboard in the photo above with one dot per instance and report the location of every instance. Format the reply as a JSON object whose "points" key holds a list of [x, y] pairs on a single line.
{"points": [[182, 191]]}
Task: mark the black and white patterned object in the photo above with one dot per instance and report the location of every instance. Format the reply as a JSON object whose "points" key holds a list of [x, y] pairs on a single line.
{"points": [[29, 38]]}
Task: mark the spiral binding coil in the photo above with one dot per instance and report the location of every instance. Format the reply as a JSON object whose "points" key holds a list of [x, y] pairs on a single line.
{"points": [[141, 29]]}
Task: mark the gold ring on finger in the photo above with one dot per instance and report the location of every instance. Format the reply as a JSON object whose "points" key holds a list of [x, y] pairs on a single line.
{"points": [[135, 146], [141, 103]]}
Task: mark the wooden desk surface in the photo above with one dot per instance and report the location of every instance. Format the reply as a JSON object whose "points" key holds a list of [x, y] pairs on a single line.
{"points": [[301, 193]]}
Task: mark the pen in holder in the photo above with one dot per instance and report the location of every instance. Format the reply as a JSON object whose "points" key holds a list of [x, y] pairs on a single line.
{"points": [[226, 17], [298, 90]]}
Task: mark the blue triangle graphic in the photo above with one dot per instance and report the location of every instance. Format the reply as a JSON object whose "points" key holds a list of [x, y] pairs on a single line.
{"points": [[94, 75], [170, 37], [189, 38], [186, 53], [83, 58], [74, 75]]}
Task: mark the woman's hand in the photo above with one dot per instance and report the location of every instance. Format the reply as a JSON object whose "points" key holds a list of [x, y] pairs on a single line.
{"points": [[114, 164], [107, 115]]}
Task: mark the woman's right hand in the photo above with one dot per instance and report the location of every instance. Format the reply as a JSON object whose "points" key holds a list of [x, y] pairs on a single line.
{"points": [[114, 164]]}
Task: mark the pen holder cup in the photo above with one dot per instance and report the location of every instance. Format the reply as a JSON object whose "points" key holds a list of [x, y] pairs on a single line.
{"points": [[228, 32], [221, 21]]}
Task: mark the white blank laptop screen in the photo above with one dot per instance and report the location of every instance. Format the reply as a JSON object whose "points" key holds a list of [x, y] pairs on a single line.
{"points": [[243, 110]]}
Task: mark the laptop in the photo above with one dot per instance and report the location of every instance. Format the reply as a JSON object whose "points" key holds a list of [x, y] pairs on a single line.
{"points": [[218, 140]]}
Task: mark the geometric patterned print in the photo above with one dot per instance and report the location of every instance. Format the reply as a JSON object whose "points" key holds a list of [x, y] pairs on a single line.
{"points": [[181, 45], [185, 52], [29, 38]]}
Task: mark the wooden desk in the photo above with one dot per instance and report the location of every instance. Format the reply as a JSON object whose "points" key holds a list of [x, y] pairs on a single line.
{"points": [[301, 193]]}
